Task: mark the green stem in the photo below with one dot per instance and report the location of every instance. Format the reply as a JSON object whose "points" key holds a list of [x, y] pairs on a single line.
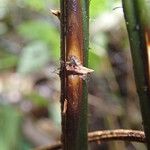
{"points": [[140, 58]]}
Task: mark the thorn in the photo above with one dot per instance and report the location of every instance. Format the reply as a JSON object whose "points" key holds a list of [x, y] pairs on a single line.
{"points": [[76, 67], [55, 12]]}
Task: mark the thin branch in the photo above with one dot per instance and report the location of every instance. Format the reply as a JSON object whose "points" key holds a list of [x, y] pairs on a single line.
{"points": [[118, 134], [106, 135]]}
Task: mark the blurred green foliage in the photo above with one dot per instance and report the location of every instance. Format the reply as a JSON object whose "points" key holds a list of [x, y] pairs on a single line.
{"points": [[29, 24], [7, 61], [43, 31], [10, 129], [99, 6], [34, 57], [37, 5], [37, 99], [39, 30]]}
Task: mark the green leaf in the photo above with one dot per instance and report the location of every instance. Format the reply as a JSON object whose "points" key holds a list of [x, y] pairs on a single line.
{"points": [[94, 61], [9, 128], [98, 6], [43, 31], [8, 61], [37, 99], [36, 5]]}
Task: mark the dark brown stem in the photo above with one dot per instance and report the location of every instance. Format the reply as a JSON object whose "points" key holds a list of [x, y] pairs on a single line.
{"points": [[106, 135], [74, 49], [73, 95]]}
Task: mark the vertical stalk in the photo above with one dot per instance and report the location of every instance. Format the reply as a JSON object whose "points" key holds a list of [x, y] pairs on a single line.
{"points": [[74, 51], [142, 9], [134, 11]]}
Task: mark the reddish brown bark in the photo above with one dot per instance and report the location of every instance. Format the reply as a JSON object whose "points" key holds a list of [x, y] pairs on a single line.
{"points": [[71, 83], [147, 37]]}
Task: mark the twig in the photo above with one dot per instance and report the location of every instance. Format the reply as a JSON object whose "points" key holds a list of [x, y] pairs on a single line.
{"points": [[118, 134], [105, 135], [56, 13]]}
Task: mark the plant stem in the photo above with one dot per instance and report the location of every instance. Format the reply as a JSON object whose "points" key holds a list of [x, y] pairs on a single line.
{"points": [[132, 12], [106, 135], [74, 47]]}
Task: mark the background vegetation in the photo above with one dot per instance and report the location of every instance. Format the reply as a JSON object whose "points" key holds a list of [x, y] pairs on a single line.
{"points": [[30, 86]]}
